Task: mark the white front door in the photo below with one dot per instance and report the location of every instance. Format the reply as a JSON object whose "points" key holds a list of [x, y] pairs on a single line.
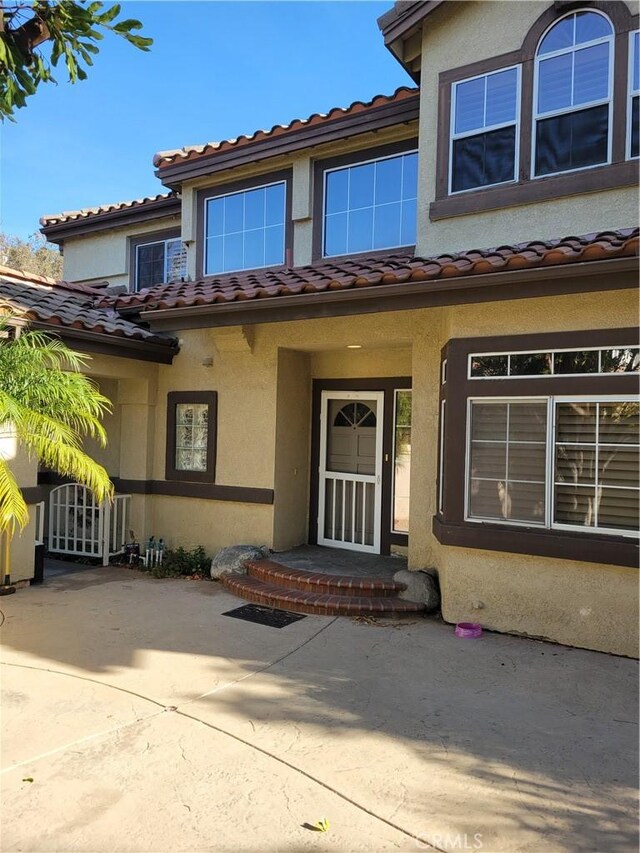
{"points": [[349, 502]]}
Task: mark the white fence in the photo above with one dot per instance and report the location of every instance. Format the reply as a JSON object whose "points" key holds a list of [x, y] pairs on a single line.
{"points": [[80, 526]]}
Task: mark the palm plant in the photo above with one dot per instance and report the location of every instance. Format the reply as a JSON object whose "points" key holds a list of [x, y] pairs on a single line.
{"points": [[49, 405]]}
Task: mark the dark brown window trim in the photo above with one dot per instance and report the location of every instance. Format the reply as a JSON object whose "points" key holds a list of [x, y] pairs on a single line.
{"points": [[350, 159], [526, 190], [590, 548], [210, 398], [368, 121], [596, 179], [450, 526], [388, 385], [285, 175], [143, 240]]}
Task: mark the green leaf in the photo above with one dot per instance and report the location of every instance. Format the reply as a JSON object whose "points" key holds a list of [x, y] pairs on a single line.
{"points": [[126, 26], [110, 14]]}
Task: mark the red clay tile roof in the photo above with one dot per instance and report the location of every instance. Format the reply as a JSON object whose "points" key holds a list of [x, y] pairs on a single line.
{"points": [[191, 152], [397, 269], [66, 304], [88, 212]]}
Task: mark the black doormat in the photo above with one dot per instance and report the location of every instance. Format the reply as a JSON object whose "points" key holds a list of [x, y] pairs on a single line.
{"points": [[264, 615]]}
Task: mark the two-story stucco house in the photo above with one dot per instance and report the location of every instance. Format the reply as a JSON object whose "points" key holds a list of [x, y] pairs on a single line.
{"points": [[410, 324]]}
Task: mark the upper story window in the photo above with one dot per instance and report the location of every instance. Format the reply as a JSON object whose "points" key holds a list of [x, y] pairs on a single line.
{"points": [[370, 206], [158, 262], [573, 107], [633, 131], [484, 130], [245, 230], [573, 90]]}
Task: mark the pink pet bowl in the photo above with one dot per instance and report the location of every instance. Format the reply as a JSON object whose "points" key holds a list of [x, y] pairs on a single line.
{"points": [[468, 630]]}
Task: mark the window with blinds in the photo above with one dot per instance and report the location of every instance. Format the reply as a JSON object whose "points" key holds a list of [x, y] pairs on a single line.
{"points": [[508, 461], [568, 464], [596, 465], [573, 94]]}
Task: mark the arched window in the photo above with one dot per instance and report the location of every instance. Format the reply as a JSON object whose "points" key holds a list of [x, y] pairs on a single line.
{"points": [[355, 415], [573, 89]]}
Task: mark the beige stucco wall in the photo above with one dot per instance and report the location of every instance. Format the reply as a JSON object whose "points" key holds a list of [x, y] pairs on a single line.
{"points": [[459, 34], [104, 255], [291, 452], [263, 378]]}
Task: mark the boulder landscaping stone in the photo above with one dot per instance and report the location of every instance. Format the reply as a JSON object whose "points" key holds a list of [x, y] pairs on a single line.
{"points": [[232, 560], [421, 586]]}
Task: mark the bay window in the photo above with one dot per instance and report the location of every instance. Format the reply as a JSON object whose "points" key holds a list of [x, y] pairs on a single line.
{"points": [[540, 449]]}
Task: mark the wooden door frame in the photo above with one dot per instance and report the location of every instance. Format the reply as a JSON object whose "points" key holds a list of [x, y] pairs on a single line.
{"points": [[386, 384]]}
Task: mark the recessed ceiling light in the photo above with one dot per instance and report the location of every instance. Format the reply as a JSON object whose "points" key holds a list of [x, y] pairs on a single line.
{"points": [[354, 346]]}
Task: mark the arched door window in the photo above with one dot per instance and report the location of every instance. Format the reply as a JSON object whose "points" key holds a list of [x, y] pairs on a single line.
{"points": [[573, 94]]}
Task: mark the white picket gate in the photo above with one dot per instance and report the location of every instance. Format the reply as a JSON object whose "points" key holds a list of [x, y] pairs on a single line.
{"points": [[80, 526]]}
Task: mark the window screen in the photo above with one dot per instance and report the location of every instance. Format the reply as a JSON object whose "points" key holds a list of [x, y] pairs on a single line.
{"points": [[484, 130]]}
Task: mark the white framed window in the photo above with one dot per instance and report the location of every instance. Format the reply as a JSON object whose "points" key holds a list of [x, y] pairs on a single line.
{"points": [[562, 463], [573, 94], [633, 105], [245, 230], [159, 262], [370, 205], [485, 130], [604, 361], [401, 460]]}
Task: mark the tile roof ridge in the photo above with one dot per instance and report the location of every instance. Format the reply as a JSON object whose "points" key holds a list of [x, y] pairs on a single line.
{"points": [[84, 212], [24, 275], [165, 158]]}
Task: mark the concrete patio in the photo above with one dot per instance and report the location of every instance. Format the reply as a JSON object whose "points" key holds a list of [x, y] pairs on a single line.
{"points": [[148, 721]]}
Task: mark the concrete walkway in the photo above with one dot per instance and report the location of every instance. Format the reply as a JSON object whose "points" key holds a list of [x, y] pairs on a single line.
{"points": [[148, 721]]}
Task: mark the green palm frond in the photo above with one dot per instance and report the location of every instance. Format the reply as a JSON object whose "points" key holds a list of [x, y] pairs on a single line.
{"points": [[13, 509], [51, 405]]}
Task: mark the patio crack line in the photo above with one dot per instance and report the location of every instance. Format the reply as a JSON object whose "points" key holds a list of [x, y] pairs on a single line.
{"points": [[314, 779], [262, 669], [237, 738], [163, 708]]}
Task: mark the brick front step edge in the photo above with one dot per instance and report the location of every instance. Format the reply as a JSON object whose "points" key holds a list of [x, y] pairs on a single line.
{"points": [[320, 604], [284, 576]]}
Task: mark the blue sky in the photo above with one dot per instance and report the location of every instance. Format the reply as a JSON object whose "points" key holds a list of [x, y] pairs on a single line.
{"points": [[216, 70]]}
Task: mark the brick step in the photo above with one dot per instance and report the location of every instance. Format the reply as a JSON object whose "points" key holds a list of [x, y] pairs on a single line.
{"points": [[318, 603], [279, 575]]}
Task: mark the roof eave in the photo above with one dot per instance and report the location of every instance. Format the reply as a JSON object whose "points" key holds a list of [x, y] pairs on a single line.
{"points": [[113, 345], [58, 232], [403, 111], [580, 277]]}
